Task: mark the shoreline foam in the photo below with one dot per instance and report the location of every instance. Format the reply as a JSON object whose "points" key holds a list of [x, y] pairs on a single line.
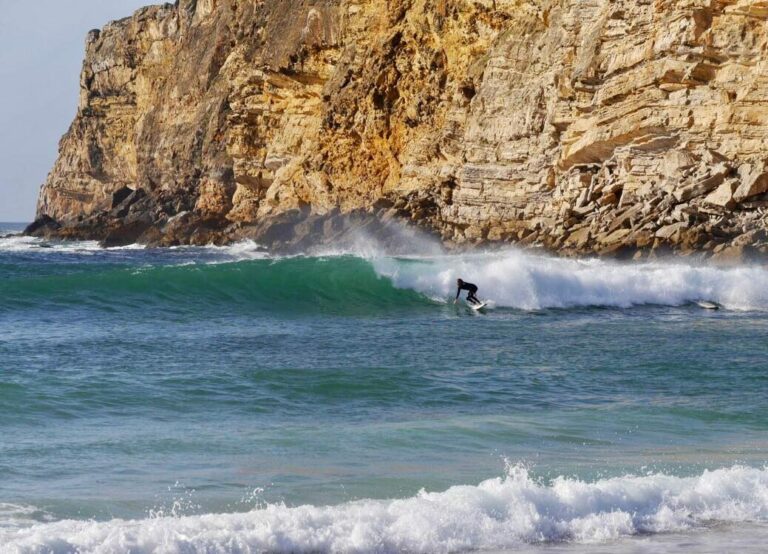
{"points": [[498, 514]]}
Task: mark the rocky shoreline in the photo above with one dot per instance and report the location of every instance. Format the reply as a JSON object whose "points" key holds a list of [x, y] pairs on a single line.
{"points": [[393, 227], [623, 129]]}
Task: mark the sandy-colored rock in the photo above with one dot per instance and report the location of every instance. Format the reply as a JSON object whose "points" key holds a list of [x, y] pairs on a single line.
{"points": [[754, 181], [485, 120], [579, 238], [723, 195], [670, 231]]}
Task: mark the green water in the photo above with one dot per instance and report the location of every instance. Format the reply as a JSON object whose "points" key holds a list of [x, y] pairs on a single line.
{"points": [[158, 386]]}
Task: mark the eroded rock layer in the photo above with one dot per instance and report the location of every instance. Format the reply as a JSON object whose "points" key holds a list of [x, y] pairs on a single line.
{"points": [[608, 126]]}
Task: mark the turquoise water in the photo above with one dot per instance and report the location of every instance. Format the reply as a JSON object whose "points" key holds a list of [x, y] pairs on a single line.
{"points": [[220, 400]]}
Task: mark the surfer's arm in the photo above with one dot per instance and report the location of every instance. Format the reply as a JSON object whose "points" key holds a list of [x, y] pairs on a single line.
{"points": [[458, 292]]}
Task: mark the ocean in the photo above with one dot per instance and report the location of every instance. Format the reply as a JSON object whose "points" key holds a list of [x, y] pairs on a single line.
{"points": [[220, 399]]}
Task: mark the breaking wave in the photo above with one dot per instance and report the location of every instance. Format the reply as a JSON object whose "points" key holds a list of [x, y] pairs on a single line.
{"points": [[499, 513], [346, 283], [521, 280]]}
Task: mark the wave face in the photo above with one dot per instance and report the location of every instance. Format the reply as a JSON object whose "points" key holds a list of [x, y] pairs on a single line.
{"points": [[500, 513], [300, 285], [246, 277]]}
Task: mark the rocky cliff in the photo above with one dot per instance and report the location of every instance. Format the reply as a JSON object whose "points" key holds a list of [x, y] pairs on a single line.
{"points": [[608, 126]]}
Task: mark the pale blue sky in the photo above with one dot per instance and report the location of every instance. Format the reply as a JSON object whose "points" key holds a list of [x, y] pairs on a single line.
{"points": [[42, 43]]}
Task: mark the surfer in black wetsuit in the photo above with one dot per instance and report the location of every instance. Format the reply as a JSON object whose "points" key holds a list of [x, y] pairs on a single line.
{"points": [[472, 289]]}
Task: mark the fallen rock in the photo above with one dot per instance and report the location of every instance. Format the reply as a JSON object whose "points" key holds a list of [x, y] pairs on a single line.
{"points": [[669, 231], [750, 238], [732, 255], [703, 186], [723, 195], [754, 181], [615, 237], [578, 238]]}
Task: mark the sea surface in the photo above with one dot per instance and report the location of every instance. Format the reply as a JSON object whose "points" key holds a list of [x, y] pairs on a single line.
{"points": [[224, 400]]}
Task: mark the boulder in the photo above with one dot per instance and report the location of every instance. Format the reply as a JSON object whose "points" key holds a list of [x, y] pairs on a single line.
{"points": [[578, 238], [754, 181], [735, 255], [723, 195], [704, 185], [750, 238], [669, 231], [616, 237]]}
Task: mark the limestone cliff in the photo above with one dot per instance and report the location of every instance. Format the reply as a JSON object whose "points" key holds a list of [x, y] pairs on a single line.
{"points": [[609, 126]]}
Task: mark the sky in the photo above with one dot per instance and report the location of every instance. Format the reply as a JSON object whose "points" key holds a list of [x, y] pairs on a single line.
{"points": [[42, 44]]}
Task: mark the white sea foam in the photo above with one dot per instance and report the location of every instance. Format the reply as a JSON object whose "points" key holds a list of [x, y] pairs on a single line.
{"points": [[522, 280], [240, 251], [18, 243], [501, 513]]}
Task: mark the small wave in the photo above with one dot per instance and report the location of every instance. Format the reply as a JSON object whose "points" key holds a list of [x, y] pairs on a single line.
{"points": [[521, 280], [499, 513], [15, 516]]}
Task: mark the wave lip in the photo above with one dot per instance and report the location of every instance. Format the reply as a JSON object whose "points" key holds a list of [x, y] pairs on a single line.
{"points": [[497, 514]]}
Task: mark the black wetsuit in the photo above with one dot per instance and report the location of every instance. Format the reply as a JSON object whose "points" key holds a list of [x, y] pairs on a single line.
{"points": [[472, 290]]}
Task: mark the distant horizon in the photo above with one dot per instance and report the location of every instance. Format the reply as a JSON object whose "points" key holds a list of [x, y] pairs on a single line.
{"points": [[41, 53]]}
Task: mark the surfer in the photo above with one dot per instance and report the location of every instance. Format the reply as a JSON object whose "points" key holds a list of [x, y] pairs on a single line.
{"points": [[472, 289]]}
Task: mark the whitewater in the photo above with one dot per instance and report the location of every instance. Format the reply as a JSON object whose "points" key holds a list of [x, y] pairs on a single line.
{"points": [[515, 279], [224, 399], [500, 513]]}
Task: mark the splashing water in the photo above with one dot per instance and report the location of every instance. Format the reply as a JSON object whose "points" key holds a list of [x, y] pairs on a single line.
{"points": [[525, 281], [496, 514]]}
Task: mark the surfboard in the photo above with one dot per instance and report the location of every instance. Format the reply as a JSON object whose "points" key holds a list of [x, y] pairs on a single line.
{"points": [[477, 307], [707, 305]]}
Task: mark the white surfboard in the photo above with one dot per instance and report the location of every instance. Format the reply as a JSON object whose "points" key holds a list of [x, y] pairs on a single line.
{"points": [[707, 305], [477, 307]]}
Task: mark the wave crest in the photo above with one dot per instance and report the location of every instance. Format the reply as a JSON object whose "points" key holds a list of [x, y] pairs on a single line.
{"points": [[346, 283], [521, 280]]}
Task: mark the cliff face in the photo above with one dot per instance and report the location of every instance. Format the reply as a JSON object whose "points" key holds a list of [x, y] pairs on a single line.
{"points": [[580, 125]]}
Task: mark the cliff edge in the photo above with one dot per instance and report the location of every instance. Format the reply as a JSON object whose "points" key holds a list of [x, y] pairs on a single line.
{"points": [[583, 126]]}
